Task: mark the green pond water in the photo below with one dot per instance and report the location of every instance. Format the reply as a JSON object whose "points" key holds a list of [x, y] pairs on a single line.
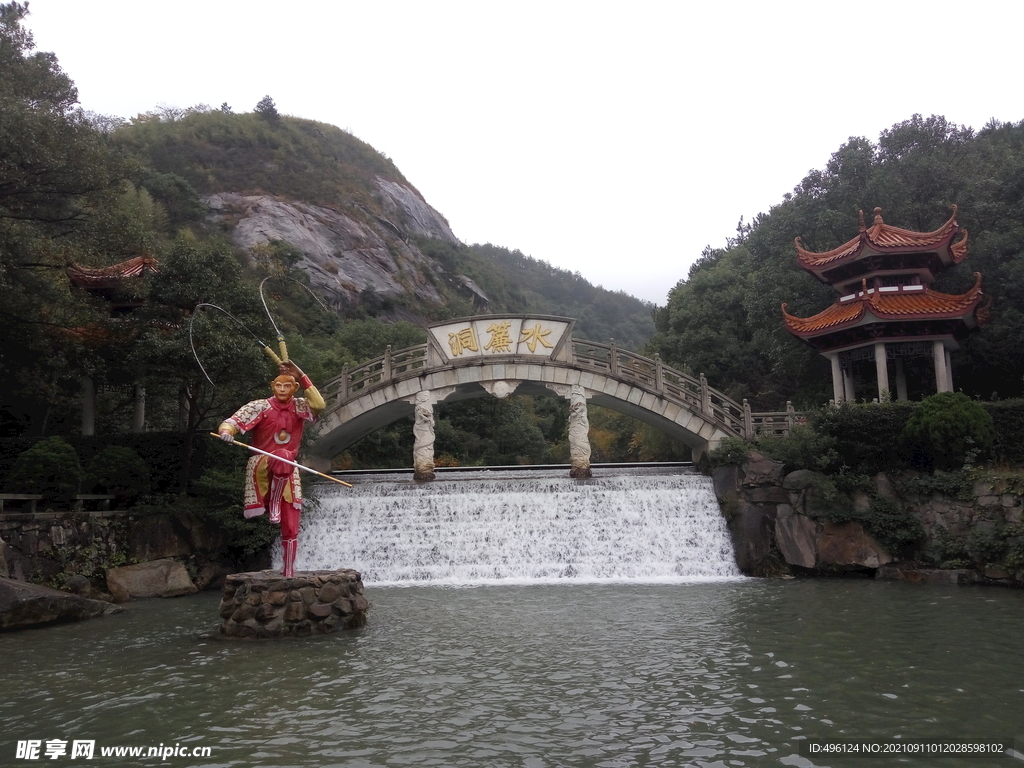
{"points": [[730, 673]]}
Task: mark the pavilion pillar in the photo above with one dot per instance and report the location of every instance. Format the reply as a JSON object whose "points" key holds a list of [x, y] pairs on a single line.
{"points": [[139, 410], [881, 371], [837, 377], [901, 381], [949, 371], [850, 396], [942, 383], [88, 406]]}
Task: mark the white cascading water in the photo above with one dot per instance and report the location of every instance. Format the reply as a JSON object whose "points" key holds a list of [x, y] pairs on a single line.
{"points": [[510, 527]]}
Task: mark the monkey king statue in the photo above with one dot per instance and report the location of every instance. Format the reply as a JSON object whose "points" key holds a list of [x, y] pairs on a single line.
{"points": [[276, 424]]}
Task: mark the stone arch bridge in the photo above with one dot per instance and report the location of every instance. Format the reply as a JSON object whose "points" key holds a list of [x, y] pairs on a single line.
{"points": [[530, 355]]}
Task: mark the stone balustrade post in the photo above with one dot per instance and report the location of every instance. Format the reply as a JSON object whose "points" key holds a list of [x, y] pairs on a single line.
{"points": [[386, 369], [659, 373], [790, 416], [613, 358], [705, 396], [748, 421]]}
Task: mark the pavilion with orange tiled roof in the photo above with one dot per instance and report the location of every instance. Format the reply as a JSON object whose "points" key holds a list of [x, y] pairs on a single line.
{"points": [[887, 312], [107, 282]]}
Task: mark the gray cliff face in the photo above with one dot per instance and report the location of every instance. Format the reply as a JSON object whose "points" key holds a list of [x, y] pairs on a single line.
{"points": [[345, 256]]}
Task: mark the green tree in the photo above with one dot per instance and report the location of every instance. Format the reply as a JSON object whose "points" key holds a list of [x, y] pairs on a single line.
{"points": [[58, 177], [266, 109], [724, 319]]}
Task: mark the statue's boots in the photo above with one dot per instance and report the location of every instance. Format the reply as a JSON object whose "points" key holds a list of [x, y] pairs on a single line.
{"points": [[290, 546]]}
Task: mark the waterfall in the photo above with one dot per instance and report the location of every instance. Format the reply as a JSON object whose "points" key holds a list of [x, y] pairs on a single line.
{"points": [[519, 527]]}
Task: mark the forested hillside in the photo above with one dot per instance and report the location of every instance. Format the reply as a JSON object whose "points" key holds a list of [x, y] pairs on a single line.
{"points": [[84, 190], [724, 317], [263, 153]]}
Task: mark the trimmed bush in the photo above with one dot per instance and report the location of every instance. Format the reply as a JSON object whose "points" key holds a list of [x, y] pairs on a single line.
{"points": [[866, 435], [948, 430], [118, 470], [50, 467]]}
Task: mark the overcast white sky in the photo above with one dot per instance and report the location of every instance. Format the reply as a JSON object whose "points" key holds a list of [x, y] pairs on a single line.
{"points": [[616, 139]]}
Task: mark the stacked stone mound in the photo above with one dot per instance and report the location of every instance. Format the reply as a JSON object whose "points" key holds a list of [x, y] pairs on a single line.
{"points": [[264, 604]]}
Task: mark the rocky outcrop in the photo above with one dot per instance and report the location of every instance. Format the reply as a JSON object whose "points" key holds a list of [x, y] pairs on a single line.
{"points": [[264, 604], [346, 253], [158, 578], [801, 521], [28, 605], [770, 512]]}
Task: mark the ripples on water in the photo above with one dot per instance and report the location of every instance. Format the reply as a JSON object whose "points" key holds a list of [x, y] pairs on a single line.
{"points": [[711, 675]]}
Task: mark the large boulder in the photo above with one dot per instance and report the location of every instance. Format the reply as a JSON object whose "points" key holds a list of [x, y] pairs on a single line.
{"points": [[759, 470], [159, 578], [796, 537], [848, 544], [751, 529], [25, 605]]}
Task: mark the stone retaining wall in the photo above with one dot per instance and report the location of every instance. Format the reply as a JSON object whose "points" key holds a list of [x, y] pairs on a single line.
{"points": [[52, 546], [264, 604]]}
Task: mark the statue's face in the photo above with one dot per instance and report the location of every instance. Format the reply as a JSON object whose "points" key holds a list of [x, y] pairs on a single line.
{"points": [[284, 388]]}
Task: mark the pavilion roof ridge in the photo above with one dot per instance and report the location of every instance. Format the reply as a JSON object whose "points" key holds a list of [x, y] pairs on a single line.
{"points": [[885, 238]]}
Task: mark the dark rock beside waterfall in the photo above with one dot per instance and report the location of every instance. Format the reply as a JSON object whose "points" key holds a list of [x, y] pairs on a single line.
{"points": [[262, 604]]}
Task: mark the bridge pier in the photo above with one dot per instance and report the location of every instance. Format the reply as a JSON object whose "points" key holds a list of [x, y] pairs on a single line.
{"points": [[579, 428], [423, 438]]}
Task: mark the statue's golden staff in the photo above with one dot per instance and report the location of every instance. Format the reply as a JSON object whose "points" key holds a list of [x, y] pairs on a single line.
{"points": [[286, 461]]}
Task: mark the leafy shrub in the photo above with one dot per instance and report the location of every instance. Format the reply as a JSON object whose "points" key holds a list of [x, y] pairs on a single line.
{"points": [[732, 451], [1008, 422], [866, 435], [892, 526], [119, 470], [804, 448], [986, 547], [948, 430], [221, 496], [50, 467], [958, 484]]}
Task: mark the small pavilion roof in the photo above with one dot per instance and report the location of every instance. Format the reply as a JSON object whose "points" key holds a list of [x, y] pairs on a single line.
{"points": [[881, 238], [100, 277], [906, 303]]}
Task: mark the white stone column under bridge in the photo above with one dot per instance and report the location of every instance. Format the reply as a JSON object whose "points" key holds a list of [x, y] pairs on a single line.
{"points": [[495, 355]]}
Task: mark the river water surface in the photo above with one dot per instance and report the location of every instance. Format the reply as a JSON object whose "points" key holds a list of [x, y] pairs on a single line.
{"points": [[531, 622], [734, 673]]}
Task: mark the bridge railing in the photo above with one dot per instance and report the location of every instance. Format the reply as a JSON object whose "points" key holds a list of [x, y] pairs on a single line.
{"points": [[389, 367], [653, 375], [772, 423], [650, 374]]}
